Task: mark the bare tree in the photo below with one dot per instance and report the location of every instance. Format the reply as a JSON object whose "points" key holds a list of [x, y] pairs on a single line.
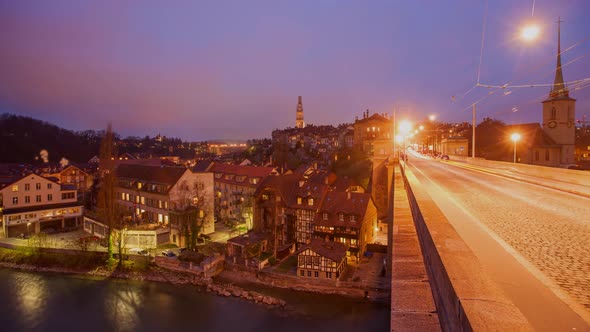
{"points": [[191, 212], [108, 210]]}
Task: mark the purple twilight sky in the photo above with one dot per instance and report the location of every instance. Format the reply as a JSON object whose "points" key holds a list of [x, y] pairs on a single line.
{"points": [[233, 69]]}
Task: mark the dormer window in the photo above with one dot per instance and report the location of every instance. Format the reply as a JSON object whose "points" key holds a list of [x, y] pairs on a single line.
{"points": [[341, 216], [352, 218], [310, 201], [139, 185], [325, 216], [298, 200]]}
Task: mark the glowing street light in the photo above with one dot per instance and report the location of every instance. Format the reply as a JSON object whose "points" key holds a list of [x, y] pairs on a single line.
{"points": [[432, 117], [515, 138], [405, 126], [530, 32]]}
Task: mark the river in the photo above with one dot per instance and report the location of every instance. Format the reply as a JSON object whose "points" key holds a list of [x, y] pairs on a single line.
{"points": [[54, 302]]}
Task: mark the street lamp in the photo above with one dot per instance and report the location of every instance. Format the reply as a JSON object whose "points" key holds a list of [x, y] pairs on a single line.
{"points": [[530, 32], [515, 138]]}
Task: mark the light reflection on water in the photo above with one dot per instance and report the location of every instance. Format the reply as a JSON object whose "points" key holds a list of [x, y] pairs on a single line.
{"points": [[122, 304], [30, 294], [47, 302]]}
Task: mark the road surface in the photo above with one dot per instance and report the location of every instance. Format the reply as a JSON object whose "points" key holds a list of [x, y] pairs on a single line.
{"points": [[533, 241]]}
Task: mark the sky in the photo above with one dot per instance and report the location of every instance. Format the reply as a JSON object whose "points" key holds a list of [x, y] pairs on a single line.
{"points": [[203, 70]]}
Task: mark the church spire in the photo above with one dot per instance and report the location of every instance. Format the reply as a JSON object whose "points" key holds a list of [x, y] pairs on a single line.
{"points": [[299, 122], [559, 89]]}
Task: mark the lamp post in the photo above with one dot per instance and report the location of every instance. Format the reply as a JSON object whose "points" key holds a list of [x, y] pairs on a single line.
{"points": [[515, 138]]}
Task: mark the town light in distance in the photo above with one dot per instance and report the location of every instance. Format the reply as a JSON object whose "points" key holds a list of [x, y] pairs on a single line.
{"points": [[432, 117]]}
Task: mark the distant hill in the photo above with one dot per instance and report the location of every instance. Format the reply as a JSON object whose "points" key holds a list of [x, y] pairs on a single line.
{"points": [[22, 139]]}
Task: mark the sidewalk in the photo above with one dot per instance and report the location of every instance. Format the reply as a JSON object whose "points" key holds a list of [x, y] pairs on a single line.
{"points": [[412, 304]]}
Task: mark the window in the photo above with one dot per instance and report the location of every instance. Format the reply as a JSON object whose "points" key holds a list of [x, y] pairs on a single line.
{"points": [[49, 186], [15, 188], [139, 185], [127, 196], [165, 204], [537, 155], [159, 204], [310, 201], [302, 273], [201, 214], [298, 200], [122, 196], [553, 113], [38, 198], [49, 197], [38, 186], [547, 155], [309, 273], [27, 199], [329, 275], [14, 200], [143, 200], [69, 195], [316, 274], [27, 186], [325, 216], [136, 199], [352, 218], [341, 216]]}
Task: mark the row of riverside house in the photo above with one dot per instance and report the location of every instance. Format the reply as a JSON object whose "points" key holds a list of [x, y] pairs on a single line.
{"points": [[322, 219]]}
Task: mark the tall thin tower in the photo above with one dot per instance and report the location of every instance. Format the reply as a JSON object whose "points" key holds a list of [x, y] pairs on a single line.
{"points": [[299, 123], [559, 112]]}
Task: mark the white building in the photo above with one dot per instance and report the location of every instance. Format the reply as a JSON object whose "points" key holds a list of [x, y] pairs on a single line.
{"points": [[33, 203]]}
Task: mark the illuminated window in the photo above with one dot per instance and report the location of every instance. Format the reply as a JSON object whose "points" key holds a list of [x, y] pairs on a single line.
{"points": [[143, 200], [139, 185], [123, 196], [298, 200], [310, 201], [15, 188], [201, 214]]}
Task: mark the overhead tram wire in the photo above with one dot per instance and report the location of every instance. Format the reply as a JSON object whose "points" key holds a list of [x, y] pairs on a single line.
{"points": [[534, 68]]}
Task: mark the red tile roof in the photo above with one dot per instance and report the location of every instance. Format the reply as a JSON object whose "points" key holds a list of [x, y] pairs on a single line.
{"points": [[335, 251], [339, 202]]}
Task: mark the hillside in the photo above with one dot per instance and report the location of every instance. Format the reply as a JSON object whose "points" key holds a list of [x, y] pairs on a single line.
{"points": [[22, 139]]}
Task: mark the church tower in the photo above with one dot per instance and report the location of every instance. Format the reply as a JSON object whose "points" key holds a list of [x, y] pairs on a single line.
{"points": [[299, 123], [559, 111]]}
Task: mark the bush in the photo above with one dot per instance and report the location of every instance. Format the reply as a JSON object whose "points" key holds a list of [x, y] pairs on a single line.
{"points": [[191, 256]]}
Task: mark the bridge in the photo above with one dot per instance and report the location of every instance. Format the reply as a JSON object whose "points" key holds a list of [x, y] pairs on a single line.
{"points": [[502, 246]]}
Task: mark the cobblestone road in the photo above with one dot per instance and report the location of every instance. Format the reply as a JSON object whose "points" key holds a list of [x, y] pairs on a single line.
{"points": [[550, 229]]}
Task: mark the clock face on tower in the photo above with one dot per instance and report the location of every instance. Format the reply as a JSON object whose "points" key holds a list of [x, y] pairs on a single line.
{"points": [[552, 124]]}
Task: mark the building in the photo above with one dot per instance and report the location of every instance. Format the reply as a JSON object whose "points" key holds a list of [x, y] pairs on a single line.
{"points": [[455, 146], [296, 208], [148, 194], [349, 218], [234, 190], [321, 260], [559, 113], [299, 122], [32, 203], [371, 129], [535, 146], [73, 175]]}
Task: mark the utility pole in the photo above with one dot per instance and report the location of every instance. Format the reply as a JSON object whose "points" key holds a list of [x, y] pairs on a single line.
{"points": [[473, 134]]}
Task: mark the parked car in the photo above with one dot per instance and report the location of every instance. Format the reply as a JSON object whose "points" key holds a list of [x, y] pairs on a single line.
{"points": [[24, 236], [139, 251], [168, 253], [444, 157]]}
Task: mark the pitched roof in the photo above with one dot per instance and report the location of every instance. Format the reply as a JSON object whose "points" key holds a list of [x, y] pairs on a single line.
{"points": [[251, 171], [374, 117], [249, 238], [157, 174], [334, 251], [337, 202], [202, 165]]}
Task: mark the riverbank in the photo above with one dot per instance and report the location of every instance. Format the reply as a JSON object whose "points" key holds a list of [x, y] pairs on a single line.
{"points": [[93, 266]]}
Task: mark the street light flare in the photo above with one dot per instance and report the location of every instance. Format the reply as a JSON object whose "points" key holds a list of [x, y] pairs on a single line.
{"points": [[530, 32], [405, 126], [515, 137]]}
